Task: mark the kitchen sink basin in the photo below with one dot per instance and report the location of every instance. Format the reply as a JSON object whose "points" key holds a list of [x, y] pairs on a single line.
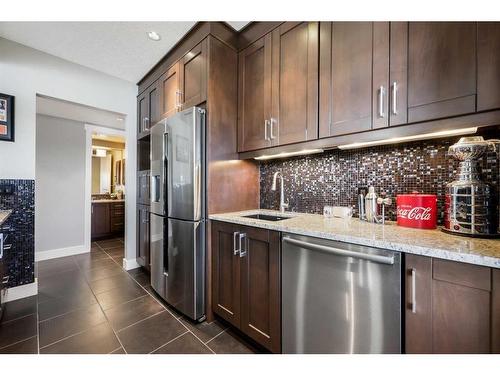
{"points": [[267, 217]]}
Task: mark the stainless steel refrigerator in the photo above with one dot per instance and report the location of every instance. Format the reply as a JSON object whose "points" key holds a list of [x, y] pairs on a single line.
{"points": [[177, 240]]}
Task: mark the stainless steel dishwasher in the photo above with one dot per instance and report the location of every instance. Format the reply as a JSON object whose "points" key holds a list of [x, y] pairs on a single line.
{"points": [[339, 297]]}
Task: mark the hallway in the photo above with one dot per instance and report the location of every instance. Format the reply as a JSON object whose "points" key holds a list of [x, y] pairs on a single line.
{"points": [[88, 304]]}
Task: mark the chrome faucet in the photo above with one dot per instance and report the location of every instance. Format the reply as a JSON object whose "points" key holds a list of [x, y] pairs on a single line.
{"points": [[283, 205]]}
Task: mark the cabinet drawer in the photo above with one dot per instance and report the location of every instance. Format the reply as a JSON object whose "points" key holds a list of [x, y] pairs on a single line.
{"points": [[462, 274], [117, 213], [117, 221], [118, 206]]}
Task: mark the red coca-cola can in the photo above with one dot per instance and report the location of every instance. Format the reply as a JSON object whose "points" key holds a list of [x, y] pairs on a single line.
{"points": [[417, 210]]}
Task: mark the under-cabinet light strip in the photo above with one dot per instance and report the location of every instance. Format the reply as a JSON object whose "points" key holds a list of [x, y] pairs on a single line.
{"points": [[440, 134], [289, 154]]}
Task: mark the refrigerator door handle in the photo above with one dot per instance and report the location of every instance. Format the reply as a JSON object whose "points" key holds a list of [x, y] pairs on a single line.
{"points": [[165, 173], [165, 247]]}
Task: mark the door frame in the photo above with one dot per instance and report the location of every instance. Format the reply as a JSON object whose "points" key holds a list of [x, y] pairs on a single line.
{"points": [[89, 130]]}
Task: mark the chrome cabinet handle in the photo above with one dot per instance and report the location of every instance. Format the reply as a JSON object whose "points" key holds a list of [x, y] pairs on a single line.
{"points": [[145, 123], [266, 136], [413, 290], [243, 251], [272, 122], [394, 98], [235, 250], [381, 93], [1, 245], [6, 280]]}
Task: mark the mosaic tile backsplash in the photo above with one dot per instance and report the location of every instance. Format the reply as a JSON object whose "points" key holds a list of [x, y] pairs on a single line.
{"points": [[20, 227], [334, 177]]}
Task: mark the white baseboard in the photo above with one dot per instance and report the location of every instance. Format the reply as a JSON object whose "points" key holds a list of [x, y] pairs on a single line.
{"points": [[22, 291], [130, 264], [58, 253]]}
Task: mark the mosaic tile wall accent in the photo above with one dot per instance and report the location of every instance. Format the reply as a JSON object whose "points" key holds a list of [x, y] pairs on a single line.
{"points": [[20, 227], [334, 177]]}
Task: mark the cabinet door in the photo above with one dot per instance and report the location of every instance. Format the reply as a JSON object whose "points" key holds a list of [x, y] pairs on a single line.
{"points": [[143, 257], [169, 86], [142, 113], [441, 69], [101, 219], [225, 272], [346, 77], [193, 76], [418, 304], [254, 95], [447, 306], [294, 83], [495, 312], [153, 105], [260, 287], [488, 65]]}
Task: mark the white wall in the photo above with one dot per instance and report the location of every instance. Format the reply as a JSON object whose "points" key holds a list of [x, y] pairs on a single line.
{"points": [[60, 183], [24, 72]]}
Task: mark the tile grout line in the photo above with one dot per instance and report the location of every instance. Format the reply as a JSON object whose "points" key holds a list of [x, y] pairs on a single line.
{"points": [[102, 310], [194, 334], [217, 335], [67, 312], [21, 317], [168, 342], [17, 342], [140, 321]]}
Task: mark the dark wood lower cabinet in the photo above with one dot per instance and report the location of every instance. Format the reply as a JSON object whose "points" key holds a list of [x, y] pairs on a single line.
{"points": [[246, 281], [107, 219], [101, 220], [449, 307]]}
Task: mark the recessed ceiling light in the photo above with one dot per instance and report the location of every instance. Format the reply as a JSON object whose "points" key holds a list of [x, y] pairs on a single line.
{"points": [[153, 35], [119, 119]]}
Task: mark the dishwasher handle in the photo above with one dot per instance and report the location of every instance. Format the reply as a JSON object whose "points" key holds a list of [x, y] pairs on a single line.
{"points": [[347, 253]]}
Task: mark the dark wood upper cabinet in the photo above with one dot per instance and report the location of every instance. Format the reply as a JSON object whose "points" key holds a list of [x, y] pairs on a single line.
{"points": [[441, 69], [226, 273], [246, 279], [260, 288], [254, 95], [448, 307], [278, 88], [488, 66], [294, 110], [354, 76], [169, 86], [142, 113], [147, 110], [193, 76]]}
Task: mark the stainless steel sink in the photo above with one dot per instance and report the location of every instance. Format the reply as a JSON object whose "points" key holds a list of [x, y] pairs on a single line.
{"points": [[267, 217]]}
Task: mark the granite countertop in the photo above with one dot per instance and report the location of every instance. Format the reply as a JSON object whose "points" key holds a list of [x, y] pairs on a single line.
{"points": [[108, 200], [432, 243], [4, 215]]}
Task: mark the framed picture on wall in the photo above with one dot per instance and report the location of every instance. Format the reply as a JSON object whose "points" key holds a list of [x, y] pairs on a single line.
{"points": [[6, 117]]}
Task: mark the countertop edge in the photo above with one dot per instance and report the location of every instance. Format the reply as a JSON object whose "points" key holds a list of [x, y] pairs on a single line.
{"points": [[475, 259]]}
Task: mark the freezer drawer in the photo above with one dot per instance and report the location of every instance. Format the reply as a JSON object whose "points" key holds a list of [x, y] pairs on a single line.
{"points": [[178, 263], [339, 297]]}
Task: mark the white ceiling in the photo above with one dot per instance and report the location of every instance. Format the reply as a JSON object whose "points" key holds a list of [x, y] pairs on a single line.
{"points": [[78, 112], [121, 49]]}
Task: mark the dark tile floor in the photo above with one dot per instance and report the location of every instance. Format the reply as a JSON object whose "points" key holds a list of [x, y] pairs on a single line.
{"points": [[87, 303]]}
